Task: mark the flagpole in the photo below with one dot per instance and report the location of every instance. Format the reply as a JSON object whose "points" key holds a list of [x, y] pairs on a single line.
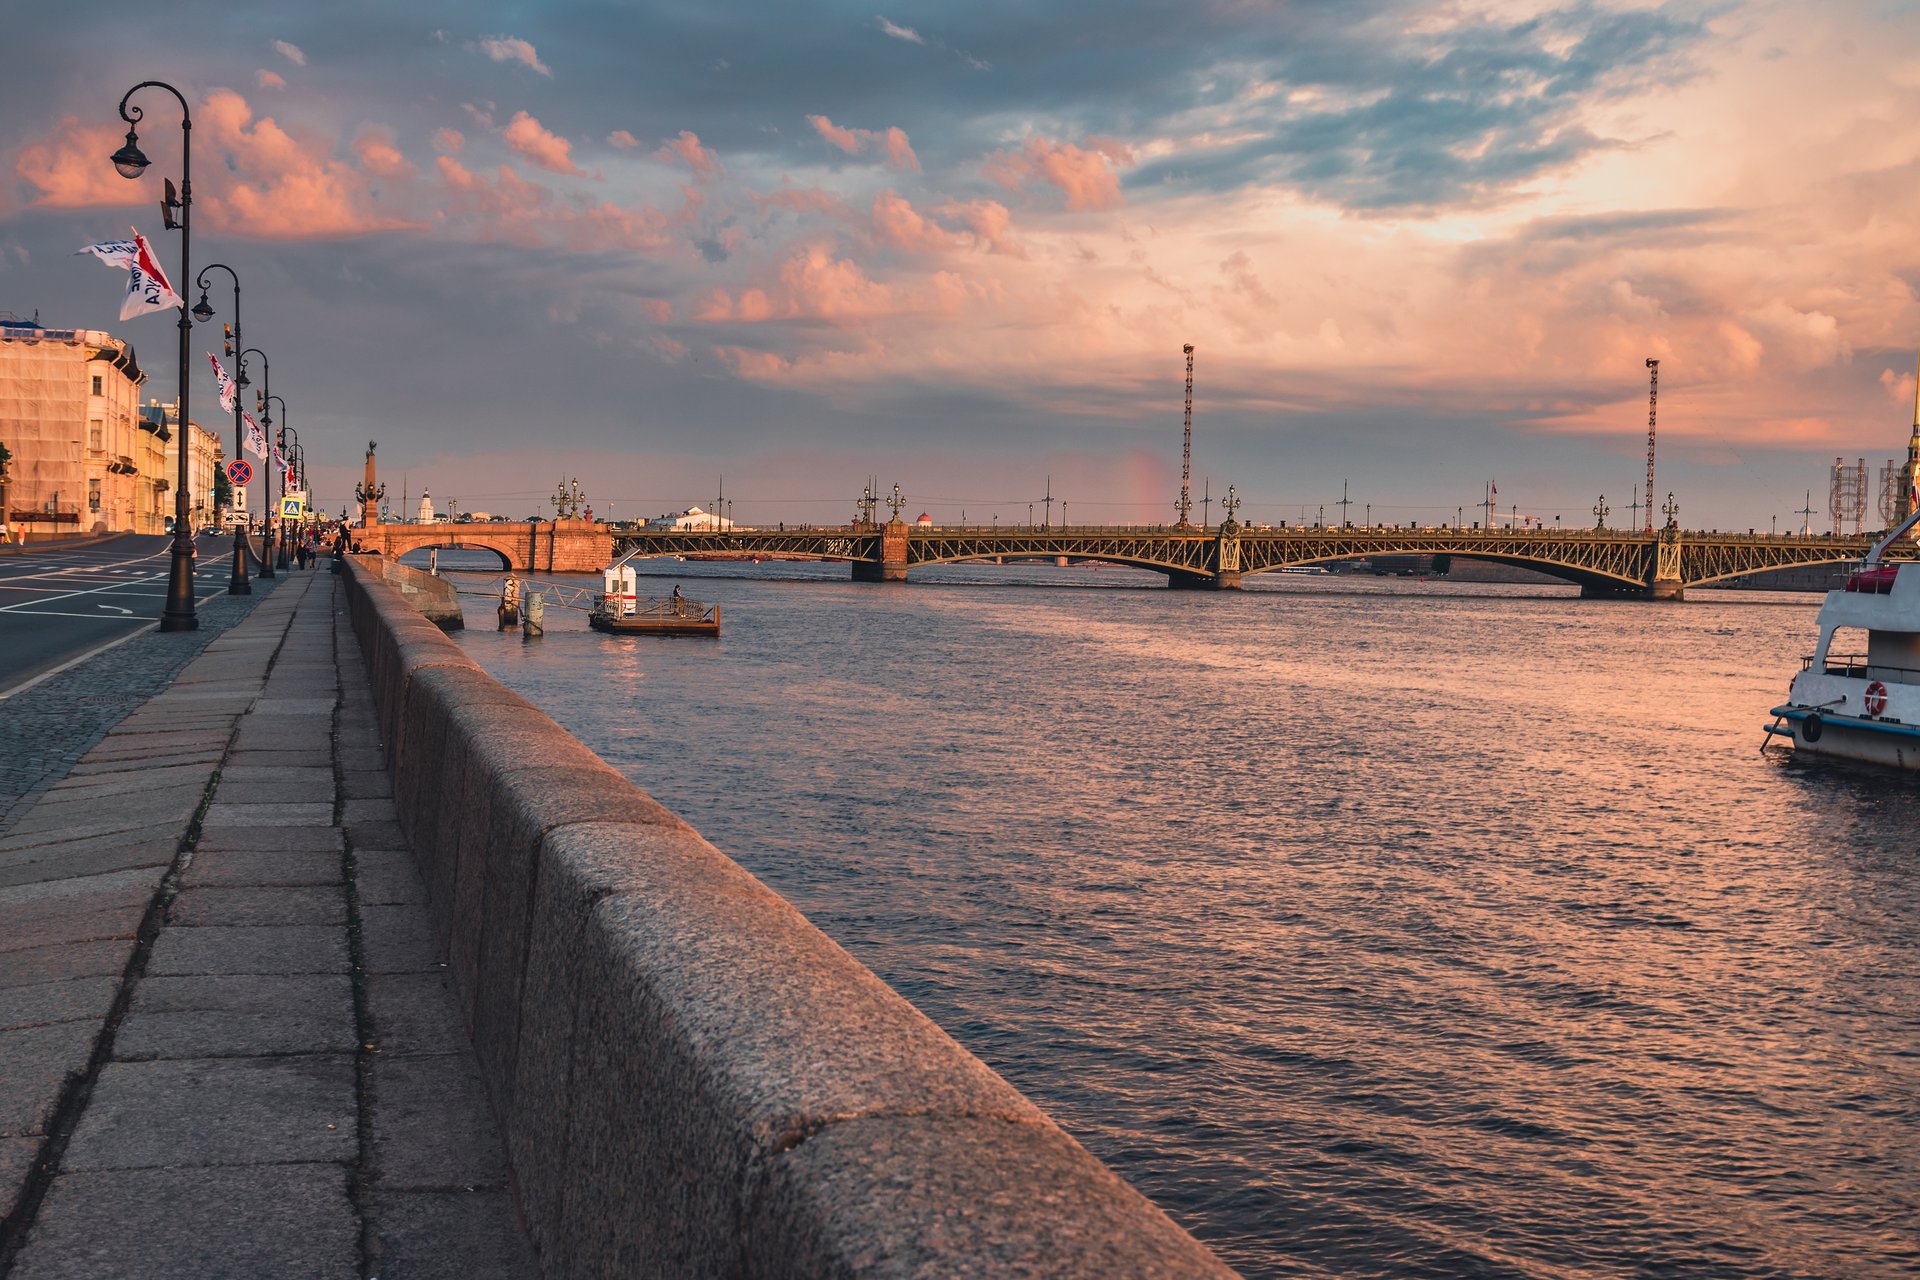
{"points": [[131, 163]]}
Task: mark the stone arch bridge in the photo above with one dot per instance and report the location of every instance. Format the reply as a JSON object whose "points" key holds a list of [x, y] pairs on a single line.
{"points": [[545, 546]]}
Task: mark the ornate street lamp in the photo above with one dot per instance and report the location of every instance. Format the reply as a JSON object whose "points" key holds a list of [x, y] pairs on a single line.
{"points": [[237, 584], [131, 162], [267, 512]]}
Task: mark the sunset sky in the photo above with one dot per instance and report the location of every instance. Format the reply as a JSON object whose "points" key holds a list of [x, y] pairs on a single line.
{"points": [[959, 246]]}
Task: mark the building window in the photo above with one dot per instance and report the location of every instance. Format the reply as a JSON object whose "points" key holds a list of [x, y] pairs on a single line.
{"points": [[93, 495], [96, 384], [93, 434]]}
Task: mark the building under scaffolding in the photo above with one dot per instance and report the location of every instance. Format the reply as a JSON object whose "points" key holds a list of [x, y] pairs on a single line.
{"points": [[1847, 495]]}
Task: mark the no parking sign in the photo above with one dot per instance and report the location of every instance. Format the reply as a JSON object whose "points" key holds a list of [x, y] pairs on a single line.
{"points": [[240, 471]]}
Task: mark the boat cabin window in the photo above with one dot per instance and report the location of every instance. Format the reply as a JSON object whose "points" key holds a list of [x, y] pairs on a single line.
{"points": [[1847, 651]]}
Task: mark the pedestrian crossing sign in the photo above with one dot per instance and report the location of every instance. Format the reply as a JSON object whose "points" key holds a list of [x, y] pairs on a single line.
{"points": [[291, 508]]}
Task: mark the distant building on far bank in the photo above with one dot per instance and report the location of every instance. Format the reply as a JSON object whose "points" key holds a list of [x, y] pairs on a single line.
{"points": [[691, 518]]}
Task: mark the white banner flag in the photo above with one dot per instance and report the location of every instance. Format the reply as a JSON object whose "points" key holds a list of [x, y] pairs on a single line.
{"points": [[256, 439], [227, 391], [148, 289]]}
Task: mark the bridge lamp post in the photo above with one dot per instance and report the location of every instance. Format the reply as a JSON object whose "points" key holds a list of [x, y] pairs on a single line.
{"points": [[130, 162], [1029, 517]]}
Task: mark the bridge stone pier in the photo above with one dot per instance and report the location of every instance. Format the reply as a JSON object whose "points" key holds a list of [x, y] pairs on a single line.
{"points": [[892, 563], [545, 546]]}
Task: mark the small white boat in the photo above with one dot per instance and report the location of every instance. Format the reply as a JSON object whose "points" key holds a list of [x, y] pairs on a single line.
{"points": [[1857, 696]]}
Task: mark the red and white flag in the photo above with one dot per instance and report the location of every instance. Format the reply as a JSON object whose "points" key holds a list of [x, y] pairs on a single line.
{"points": [[256, 438], [148, 288], [227, 390], [1491, 485]]}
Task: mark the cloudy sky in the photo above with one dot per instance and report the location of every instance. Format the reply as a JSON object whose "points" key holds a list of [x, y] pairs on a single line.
{"points": [[1417, 246]]}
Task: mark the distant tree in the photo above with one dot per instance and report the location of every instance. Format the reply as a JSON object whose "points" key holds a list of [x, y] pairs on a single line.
{"points": [[222, 489], [1442, 565]]}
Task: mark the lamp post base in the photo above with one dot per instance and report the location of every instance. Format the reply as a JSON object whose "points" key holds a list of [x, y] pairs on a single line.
{"points": [[238, 584], [179, 615], [266, 555]]}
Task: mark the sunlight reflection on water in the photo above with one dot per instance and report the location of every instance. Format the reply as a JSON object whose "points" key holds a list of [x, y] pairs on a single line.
{"points": [[1371, 928]]}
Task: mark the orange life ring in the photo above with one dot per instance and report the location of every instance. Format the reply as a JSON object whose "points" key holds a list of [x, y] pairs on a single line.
{"points": [[1875, 698]]}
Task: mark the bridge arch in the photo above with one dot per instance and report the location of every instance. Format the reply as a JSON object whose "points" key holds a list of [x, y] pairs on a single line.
{"points": [[419, 555]]}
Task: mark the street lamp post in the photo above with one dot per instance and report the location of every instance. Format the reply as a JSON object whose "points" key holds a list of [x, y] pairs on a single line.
{"points": [[267, 526], [280, 542], [237, 585], [131, 162]]}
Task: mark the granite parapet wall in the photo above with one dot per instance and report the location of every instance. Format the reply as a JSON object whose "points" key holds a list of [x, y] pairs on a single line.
{"points": [[692, 1079]]}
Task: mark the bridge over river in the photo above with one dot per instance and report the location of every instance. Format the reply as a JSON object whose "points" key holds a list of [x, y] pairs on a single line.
{"points": [[1603, 562]]}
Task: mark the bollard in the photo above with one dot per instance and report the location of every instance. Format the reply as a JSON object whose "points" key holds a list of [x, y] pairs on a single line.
{"points": [[509, 610], [536, 616]]}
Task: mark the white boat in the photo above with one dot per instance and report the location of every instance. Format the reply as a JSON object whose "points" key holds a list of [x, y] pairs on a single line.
{"points": [[1857, 696]]}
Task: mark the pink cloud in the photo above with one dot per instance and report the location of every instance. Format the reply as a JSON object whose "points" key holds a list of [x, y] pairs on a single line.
{"points": [[283, 187], [549, 151], [622, 139], [512, 209], [269, 79], [68, 171], [899, 153], [990, 223], [804, 200], [893, 141], [658, 310], [687, 148], [1086, 175], [898, 225], [378, 155], [448, 141], [275, 185], [845, 139]]}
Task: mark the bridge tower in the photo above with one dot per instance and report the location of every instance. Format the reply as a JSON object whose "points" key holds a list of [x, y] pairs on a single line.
{"points": [[1653, 398], [1186, 448]]}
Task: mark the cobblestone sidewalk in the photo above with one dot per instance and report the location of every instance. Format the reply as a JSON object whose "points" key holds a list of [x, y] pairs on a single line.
{"points": [[226, 1045]]}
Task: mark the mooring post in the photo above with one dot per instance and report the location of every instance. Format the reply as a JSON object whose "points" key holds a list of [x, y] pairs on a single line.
{"points": [[509, 610], [536, 616]]}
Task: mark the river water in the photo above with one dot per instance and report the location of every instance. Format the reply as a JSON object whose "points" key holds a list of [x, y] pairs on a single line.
{"points": [[1371, 927]]}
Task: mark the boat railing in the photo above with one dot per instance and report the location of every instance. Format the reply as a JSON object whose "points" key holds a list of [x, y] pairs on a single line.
{"points": [[1857, 666], [664, 607]]}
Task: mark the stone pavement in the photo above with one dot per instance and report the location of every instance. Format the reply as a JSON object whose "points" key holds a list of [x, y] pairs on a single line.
{"points": [[227, 1046]]}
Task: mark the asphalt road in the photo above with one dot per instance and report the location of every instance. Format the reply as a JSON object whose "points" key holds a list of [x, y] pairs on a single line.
{"points": [[60, 603]]}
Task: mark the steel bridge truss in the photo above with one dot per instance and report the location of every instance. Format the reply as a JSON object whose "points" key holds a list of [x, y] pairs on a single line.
{"points": [[1603, 559]]}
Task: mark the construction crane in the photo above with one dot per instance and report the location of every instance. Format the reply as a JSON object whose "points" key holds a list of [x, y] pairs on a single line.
{"points": [[1186, 448], [1653, 396]]}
